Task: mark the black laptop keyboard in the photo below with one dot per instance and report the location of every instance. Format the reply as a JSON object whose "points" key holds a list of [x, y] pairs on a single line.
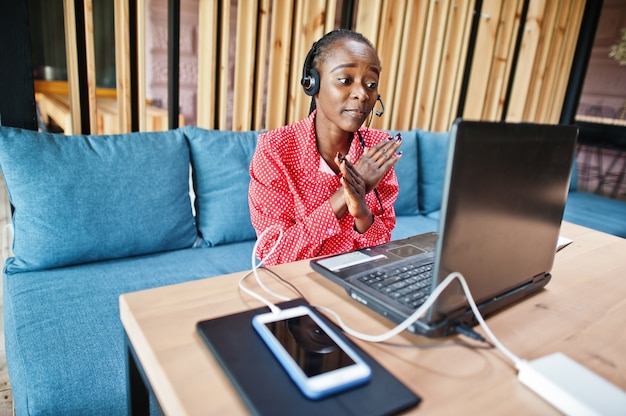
{"points": [[409, 284]]}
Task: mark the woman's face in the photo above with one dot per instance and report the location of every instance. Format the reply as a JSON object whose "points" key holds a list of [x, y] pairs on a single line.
{"points": [[348, 86]]}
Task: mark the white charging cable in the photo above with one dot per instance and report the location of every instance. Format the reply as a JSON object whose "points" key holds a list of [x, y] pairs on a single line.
{"points": [[421, 310], [256, 266], [389, 334]]}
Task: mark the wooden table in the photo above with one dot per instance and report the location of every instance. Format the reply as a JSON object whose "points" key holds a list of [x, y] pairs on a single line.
{"points": [[582, 313]]}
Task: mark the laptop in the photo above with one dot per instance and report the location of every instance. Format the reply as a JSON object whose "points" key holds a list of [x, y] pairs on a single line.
{"points": [[504, 193]]}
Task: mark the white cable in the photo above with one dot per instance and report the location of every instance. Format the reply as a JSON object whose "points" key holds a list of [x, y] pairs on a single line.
{"points": [[391, 333], [421, 310], [256, 266]]}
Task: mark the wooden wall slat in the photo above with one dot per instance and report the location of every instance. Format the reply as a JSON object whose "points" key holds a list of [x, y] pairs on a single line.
{"points": [[243, 80], [431, 59], [330, 15], [556, 95], [544, 51], [543, 102], [223, 107], [454, 105], [207, 58], [141, 64], [260, 71], [279, 64], [389, 38], [122, 65], [72, 67], [496, 88], [483, 59], [309, 27], [91, 65], [452, 64], [526, 61], [369, 14], [409, 62]]}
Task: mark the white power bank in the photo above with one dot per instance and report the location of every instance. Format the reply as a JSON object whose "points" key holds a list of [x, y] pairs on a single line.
{"points": [[570, 387]]}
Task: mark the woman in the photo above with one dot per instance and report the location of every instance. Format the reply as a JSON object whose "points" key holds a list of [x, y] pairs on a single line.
{"points": [[326, 181]]}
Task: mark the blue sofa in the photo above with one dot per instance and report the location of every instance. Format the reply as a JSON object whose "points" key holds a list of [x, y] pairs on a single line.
{"points": [[99, 216]]}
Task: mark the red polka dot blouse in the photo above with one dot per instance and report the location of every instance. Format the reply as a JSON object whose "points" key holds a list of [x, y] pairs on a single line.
{"points": [[290, 187]]}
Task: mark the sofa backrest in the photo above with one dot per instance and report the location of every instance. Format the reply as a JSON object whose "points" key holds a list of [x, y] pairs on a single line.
{"points": [[432, 156], [221, 176], [407, 174], [80, 199]]}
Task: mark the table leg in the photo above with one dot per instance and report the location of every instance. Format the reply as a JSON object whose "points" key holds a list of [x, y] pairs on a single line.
{"points": [[137, 392]]}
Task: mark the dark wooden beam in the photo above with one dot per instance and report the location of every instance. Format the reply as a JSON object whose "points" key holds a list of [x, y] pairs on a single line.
{"points": [[17, 100], [173, 53]]}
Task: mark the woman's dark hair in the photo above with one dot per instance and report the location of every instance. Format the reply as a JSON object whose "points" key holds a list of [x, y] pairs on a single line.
{"points": [[320, 50]]}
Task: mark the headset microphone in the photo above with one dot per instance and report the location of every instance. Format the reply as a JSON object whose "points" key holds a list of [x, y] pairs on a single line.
{"points": [[382, 105]]}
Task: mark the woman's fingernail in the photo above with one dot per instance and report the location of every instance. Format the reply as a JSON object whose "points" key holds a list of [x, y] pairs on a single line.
{"points": [[340, 157], [399, 138], [399, 153]]}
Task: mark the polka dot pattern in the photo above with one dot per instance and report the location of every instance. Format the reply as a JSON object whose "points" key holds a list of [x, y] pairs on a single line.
{"points": [[290, 186]]}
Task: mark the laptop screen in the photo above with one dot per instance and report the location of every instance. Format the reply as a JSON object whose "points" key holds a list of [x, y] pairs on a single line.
{"points": [[503, 199]]}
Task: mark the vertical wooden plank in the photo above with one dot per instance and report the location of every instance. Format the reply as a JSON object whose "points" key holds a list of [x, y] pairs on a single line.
{"points": [[243, 81], [451, 65], [388, 43], [279, 63], [207, 63], [141, 64], [224, 67], [91, 66], [409, 62], [555, 53], [122, 65], [543, 59], [331, 15], [17, 101], [173, 63], [310, 21], [564, 64], [72, 67], [260, 75], [483, 58], [526, 61], [368, 16], [502, 61], [431, 59], [460, 74]]}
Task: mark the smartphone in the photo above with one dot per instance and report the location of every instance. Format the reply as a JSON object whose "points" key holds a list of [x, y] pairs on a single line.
{"points": [[315, 357]]}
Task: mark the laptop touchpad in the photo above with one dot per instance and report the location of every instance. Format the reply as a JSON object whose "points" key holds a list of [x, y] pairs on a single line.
{"points": [[406, 251]]}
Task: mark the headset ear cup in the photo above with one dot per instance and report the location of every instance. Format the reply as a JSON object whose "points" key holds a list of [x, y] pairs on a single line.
{"points": [[311, 83]]}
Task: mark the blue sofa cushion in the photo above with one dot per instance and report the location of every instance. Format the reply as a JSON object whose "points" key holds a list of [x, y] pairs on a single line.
{"points": [[81, 199], [409, 225], [597, 212], [221, 176], [432, 154], [406, 171], [64, 339]]}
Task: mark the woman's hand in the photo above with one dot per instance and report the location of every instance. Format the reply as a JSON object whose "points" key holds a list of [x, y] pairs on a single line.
{"points": [[376, 161], [354, 191]]}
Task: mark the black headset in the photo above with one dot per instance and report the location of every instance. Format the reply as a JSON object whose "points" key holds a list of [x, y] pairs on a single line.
{"points": [[310, 77]]}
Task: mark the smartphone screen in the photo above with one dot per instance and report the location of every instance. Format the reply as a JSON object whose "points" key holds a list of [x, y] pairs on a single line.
{"points": [[318, 360], [309, 345]]}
